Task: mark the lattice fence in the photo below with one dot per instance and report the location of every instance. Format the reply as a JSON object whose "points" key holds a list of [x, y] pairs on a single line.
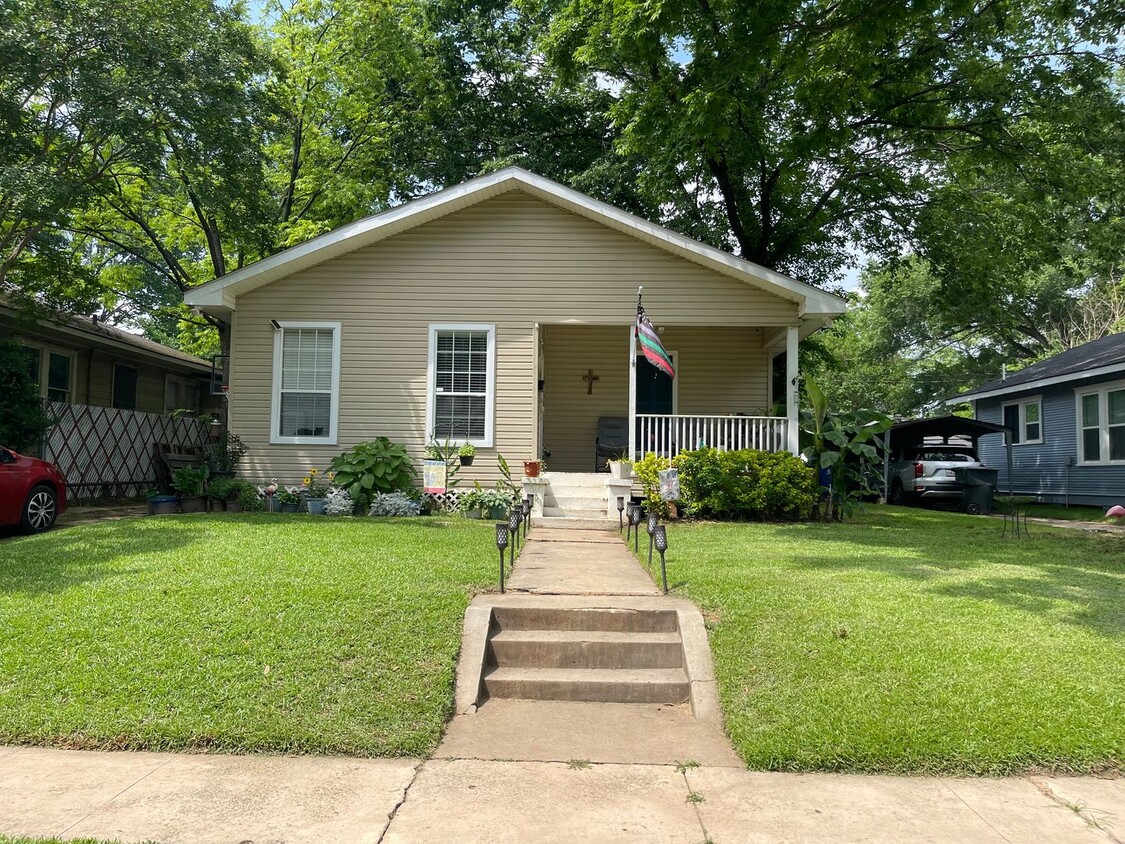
{"points": [[109, 453]]}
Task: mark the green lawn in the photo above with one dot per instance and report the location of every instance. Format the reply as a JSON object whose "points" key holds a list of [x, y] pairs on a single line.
{"points": [[912, 640], [237, 632]]}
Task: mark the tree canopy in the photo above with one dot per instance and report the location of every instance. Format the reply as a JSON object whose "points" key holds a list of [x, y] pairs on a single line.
{"points": [[973, 149]]}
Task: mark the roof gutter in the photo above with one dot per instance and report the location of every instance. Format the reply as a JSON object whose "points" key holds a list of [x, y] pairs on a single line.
{"points": [[1037, 384]]}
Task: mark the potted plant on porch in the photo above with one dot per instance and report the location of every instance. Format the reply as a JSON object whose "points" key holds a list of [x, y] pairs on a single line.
{"points": [[289, 498], [621, 468]]}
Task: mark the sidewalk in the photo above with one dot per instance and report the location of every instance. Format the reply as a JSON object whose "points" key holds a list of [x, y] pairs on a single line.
{"points": [[173, 798], [527, 771]]}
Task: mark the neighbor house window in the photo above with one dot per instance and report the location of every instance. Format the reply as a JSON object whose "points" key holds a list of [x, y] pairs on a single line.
{"points": [[306, 382], [1101, 424], [180, 394], [462, 383], [124, 386], [59, 368], [1025, 418]]}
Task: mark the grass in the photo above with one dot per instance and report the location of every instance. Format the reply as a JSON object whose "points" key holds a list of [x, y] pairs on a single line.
{"points": [[237, 633], [913, 641], [1075, 512]]}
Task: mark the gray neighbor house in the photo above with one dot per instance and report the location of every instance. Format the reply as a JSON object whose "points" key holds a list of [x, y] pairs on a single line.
{"points": [[1068, 415]]}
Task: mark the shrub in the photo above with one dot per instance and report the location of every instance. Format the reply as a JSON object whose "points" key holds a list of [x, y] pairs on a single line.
{"points": [[746, 484], [372, 467], [224, 453], [394, 504], [189, 481], [647, 471], [23, 421], [250, 498], [338, 503]]}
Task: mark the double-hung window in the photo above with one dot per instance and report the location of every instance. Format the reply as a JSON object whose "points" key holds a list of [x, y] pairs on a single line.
{"points": [[461, 383], [1025, 418], [1101, 424], [306, 383]]}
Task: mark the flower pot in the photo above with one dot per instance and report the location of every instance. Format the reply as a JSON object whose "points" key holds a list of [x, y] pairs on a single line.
{"points": [[316, 506], [234, 506], [620, 469], [218, 505], [290, 507], [531, 468], [163, 505], [272, 504], [471, 514], [466, 461], [497, 514], [214, 430], [195, 504]]}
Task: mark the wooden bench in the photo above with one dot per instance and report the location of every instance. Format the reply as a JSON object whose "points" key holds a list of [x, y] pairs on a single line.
{"points": [[168, 457]]}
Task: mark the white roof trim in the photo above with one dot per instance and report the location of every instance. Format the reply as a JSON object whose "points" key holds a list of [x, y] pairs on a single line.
{"points": [[1028, 386], [223, 292]]}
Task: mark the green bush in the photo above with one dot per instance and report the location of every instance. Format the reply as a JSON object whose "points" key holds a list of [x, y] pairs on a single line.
{"points": [[22, 419], [376, 466], [746, 484], [647, 471]]}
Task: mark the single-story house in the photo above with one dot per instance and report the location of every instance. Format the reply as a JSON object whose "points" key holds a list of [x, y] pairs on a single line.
{"points": [[82, 362], [1068, 415], [500, 312]]}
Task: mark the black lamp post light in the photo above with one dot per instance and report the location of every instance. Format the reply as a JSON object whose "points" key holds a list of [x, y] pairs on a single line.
{"points": [[660, 540], [502, 540], [514, 519], [653, 521], [636, 514], [620, 512]]}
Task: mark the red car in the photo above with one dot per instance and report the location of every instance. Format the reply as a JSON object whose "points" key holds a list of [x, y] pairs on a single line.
{"points": [[32, 492]]}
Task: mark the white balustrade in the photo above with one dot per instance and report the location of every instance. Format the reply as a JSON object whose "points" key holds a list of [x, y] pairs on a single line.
{"points": [[668, 435]]}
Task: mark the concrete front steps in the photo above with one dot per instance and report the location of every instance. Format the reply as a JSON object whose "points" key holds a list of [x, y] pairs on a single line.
{"points": [[595, 654], [575, 495]]}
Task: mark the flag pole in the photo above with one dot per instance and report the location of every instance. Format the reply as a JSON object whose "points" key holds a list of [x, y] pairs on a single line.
{"points": [[633, 381]]}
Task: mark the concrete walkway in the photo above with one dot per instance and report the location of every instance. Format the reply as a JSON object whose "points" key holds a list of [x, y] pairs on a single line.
{"points": [[526, 771], [173, 798]]}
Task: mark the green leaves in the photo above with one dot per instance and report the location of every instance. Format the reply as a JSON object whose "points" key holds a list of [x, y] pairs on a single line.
{"points": [[375, 466]]}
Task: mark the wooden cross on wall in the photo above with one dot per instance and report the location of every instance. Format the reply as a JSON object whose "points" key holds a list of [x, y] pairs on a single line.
{"points": [[590, 378]]}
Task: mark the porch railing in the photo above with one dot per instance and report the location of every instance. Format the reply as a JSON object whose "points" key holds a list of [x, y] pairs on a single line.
{"points": [[668, 435]]}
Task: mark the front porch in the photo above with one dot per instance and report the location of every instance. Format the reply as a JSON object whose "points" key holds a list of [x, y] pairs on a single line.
{"points": [[733, 390]]}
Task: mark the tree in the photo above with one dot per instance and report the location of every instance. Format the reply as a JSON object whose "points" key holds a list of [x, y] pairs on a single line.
{"points": [[791, 131], [23, 421]]}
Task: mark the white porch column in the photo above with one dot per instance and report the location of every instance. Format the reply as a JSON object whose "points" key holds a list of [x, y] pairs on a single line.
{"points": [[792, 391], [632, 392]]}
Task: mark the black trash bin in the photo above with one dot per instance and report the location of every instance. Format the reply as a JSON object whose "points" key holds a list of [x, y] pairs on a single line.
{"points": [[977, 487]]}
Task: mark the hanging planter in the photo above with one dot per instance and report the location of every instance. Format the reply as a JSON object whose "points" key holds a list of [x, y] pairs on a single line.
{"points": [[466, 453]]}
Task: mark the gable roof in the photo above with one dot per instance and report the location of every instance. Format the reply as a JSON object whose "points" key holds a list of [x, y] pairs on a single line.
{"points": [[220, 296], [1098, 357]]}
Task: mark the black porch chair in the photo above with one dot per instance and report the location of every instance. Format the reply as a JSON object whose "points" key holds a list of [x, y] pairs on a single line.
{"points": [[611, 442]]}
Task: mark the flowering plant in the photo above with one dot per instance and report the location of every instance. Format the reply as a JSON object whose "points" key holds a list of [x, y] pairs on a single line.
{"points": [[316, 486], [291, 495]]}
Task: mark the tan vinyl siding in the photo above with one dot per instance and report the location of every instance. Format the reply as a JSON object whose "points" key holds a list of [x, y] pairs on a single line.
{"points": [[511, 261]]}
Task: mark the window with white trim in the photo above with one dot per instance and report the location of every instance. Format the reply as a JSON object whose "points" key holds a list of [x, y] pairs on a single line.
{"points": [[1025, 418], [462, 378], [306, 383], [1101, 424]]}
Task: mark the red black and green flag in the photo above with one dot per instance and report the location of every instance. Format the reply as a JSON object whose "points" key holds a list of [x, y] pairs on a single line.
{"points": [[650, 343]]}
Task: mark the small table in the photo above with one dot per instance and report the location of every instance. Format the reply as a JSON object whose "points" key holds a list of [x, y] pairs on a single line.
{"points": [[1015, 508]]}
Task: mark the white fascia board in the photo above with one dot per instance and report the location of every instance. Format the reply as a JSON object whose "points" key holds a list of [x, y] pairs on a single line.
{"points": [[222, 292], [1039, 383]]}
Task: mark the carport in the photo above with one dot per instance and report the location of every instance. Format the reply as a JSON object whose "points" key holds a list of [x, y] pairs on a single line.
{"points": [[914, 432]]}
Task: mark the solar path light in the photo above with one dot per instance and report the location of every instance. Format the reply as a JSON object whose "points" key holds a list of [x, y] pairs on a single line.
{"points": [[502, 540], [660, 540], [653, 521], [620, 512], [635, 516], [514, 518], [526, 508]]}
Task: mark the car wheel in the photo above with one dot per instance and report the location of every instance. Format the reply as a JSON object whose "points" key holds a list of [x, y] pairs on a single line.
{"points": [[898, 497], [40, 510]]}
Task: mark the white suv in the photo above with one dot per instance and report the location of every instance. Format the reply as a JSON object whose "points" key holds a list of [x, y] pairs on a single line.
{"points": [[926, 473]]}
